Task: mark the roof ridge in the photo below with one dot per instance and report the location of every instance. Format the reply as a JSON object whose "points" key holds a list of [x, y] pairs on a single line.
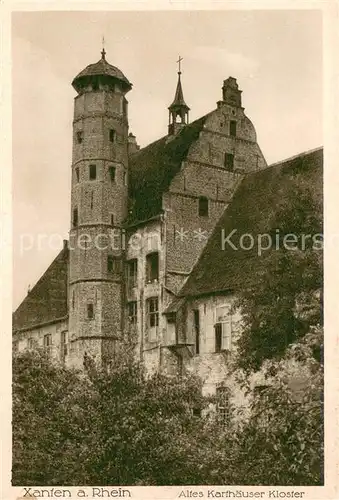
{"points": [[304, 153]]}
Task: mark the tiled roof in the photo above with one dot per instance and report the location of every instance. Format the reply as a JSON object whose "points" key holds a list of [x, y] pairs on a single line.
{"points": [[102, 68], [47, 301], [152, 169], [252, 211]]}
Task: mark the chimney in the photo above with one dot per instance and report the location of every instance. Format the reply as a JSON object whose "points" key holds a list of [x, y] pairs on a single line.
{"points": [[231, 94]]}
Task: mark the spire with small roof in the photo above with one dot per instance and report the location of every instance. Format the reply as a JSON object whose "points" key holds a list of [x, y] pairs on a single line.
{"points": [[178, 110]]}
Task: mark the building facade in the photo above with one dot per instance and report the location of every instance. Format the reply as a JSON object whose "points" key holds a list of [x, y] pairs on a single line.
{"points": [[145, 227]]}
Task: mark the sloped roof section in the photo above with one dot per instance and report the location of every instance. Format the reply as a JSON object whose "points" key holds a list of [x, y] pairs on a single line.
{"points": [[152, 169], [253, 211], [47, 301]]}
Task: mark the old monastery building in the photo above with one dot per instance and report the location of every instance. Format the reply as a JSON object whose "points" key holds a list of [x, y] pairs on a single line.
{"points": [[148, 253]]}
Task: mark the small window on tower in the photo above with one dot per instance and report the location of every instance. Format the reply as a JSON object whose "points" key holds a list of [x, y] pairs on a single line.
{"points": [[110, 263], [80, 136], [229, 161], [75, 217], [203, 206], [112, 220], [77, 174], [112, 135], [233, 128], [90, 311], [92, 172], [112, 173]]}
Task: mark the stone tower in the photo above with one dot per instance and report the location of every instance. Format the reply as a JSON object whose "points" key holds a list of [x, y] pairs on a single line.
{"points": [[98, 209]]}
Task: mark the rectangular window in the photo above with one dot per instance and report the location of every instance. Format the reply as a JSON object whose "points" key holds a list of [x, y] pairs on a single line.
{"points": [[48, 343], [233, 128], [63, 345], [223, 405], [152, 305], [203, 206], [112, 171], [80, 136], [92, 172], [30, 343], [196, 330], [15, 346], [113, 264], [75, 217], [110, 263], [77, 174], [112, 135], [125, 178], [223, 329], [90, 311], [112, 220], [152, 267], [132, 313], [229, 161], [132, 273]]}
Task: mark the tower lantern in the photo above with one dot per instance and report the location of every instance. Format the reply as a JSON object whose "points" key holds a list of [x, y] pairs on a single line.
{"points": [[178, 110]]}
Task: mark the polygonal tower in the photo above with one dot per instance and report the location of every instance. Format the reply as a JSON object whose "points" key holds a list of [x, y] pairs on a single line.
{"points": [[98, 209]]}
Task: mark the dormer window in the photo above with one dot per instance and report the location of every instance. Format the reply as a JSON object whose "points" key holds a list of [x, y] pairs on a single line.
{"points": [[203, 206]]}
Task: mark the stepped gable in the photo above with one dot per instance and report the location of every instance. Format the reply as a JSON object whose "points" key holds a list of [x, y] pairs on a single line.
{"points": [[252, 210]]}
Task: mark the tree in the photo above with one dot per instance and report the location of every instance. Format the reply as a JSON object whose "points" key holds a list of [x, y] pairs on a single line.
{"points": [[284, 301], [108, 427]]}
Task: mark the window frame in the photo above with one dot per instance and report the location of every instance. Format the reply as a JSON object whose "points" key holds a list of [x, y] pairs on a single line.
{"points": [[112, 170], [233, 128], [132, 278], [75, 218], [92, 172], [152, 318], [223, 329], [203, 206], [132, 307], [151, 276], [112, 135], [229, 165], [90, 311], [224, 409]]}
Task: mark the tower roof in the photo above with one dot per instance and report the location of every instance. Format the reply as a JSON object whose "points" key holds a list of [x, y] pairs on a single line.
{"points": [[179, 101], [101, 68]]}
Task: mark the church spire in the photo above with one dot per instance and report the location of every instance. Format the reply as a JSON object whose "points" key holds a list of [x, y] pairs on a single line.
{"points": [[178, 110]]}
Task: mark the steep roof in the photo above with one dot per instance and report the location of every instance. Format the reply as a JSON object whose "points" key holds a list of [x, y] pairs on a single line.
{"points": [[152, 169], [252, 210], [47, 301], [179, 101]]}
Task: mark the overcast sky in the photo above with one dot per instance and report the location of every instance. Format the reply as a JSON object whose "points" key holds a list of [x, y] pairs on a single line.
{"points": [[276, 57]]}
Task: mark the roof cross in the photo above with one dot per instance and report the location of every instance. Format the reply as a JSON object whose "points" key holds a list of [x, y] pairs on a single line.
{"points": [[103, 52], [179, 62]]}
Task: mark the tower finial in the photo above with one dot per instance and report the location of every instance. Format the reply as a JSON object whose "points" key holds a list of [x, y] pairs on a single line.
{"points": [[103, 52], [179, 62]]}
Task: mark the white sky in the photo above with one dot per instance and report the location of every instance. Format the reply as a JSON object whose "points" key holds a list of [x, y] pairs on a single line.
{"points": [[276, 57]]}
